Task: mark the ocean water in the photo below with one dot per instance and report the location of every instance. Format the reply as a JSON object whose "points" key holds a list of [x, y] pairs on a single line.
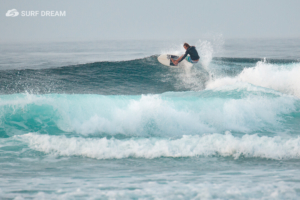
{"points": [[105, 120]]}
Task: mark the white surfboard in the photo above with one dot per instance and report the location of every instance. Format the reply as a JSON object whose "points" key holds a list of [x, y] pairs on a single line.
{"points": [[165, 59]]}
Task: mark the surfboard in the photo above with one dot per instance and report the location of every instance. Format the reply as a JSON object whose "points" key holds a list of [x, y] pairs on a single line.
{"points": [[165, 59]]}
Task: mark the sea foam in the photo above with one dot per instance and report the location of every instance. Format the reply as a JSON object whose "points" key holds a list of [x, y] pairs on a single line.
{"points": [[283, 78], [251, 146]]}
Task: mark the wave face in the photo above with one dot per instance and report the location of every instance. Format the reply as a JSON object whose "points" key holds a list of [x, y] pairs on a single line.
{"points": [[126, 77], [227, 128], [147, 75]]}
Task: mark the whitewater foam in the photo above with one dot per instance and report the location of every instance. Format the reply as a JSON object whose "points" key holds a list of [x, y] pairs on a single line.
{"points": [[250, 146], [283, 78]]}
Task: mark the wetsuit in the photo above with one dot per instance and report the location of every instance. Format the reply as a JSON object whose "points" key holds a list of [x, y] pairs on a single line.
{"points": [[192, 52]]}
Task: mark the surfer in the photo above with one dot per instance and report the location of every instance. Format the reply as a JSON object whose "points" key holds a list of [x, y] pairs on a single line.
{"points": [[193, 55]]}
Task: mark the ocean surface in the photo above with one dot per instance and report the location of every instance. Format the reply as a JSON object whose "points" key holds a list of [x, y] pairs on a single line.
{"points": [[105, 120]]}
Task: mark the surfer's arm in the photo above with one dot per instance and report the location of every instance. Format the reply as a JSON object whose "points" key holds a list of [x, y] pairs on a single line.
{"points": [[182, 57]]}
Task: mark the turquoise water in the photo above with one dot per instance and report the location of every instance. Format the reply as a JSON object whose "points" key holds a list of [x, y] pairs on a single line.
{"points": [[72, 127]]}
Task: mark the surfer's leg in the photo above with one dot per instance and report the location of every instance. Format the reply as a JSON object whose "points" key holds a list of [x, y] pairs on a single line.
{"points": [[188, 58]]}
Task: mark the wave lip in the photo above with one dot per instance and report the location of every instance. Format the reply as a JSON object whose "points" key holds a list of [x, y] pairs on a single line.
{"points": [[249, 146]]}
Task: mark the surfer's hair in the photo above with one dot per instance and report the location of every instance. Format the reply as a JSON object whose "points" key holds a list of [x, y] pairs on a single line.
{"points": [[186, 45]]}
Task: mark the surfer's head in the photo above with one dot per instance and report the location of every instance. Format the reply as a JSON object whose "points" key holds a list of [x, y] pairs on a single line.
{"points": [[186, 45]]}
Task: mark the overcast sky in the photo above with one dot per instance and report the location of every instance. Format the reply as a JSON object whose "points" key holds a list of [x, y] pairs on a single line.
{"points": [[150, 19]]}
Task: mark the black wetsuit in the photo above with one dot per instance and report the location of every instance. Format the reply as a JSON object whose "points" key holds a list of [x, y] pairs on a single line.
{"points": [[193, 54]]}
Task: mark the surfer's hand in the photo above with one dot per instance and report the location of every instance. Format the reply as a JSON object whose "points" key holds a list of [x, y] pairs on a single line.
{"points": [[174, 62]]}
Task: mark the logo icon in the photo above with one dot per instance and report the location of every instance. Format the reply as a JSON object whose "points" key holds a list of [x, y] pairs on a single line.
{"points": [[12, 13]]}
